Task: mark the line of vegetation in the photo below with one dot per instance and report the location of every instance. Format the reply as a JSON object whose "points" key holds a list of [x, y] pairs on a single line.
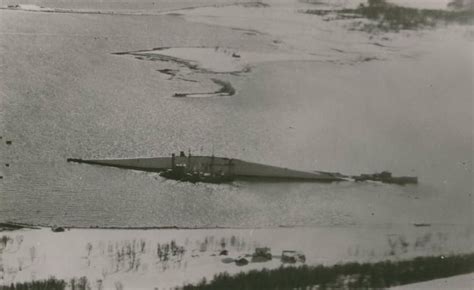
{"points": [[346, 276], [11, 226], [58, 284], [391, 17], [50, 284]]}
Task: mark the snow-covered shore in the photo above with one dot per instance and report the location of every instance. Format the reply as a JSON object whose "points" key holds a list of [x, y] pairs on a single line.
{"points": [[167, 258], [321, 38], [460, 282]]}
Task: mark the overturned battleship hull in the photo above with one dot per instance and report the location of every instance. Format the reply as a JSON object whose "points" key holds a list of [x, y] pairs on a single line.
{"points": [[235, 168]]}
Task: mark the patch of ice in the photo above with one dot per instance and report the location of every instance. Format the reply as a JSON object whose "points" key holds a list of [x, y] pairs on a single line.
{"points": [[223, 60], [297, 33]]}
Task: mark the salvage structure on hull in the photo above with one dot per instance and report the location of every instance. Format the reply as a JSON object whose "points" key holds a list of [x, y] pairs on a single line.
{"points": [[211, 169]]}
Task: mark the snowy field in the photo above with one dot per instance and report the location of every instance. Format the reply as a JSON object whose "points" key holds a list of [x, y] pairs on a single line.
{"points": [[167, 258]]}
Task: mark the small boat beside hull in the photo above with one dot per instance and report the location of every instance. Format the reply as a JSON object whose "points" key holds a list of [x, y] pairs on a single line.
{"points": [[386, 177]]}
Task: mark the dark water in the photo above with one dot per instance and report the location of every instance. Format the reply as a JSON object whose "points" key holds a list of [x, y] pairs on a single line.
{"points": [[65, 95]]}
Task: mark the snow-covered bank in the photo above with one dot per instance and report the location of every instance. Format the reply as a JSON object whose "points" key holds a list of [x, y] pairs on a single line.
{"points": [[293, 32], [338, 41], [459, 282], [167, 258]]}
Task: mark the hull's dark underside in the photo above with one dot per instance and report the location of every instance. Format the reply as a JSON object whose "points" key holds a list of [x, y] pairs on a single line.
{"points": [[237, 168]]}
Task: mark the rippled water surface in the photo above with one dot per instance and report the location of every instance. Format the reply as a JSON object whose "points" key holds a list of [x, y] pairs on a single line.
{"points": [[64, 94]]}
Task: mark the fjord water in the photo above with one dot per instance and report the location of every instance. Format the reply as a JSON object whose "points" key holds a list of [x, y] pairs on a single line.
{"points": [[64, 94]]}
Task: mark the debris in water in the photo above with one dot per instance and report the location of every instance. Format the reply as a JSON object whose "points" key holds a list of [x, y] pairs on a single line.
{"points": [[422, 225], [57, 229], [386, 177], [291, 257], [262, 255], [241, 261], [224, 253]]}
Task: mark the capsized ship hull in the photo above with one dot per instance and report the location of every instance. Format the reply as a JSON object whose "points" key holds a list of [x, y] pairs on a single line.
{"points": [[234, 167], [144, 164]]}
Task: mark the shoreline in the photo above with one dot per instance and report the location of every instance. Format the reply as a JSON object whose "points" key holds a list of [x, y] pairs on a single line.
{"points": [[459, 280], [37, 8], [134, 256], [8, 226]]}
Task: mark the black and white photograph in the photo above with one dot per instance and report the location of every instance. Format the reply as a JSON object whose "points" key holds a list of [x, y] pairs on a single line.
{"points": [[236, 144]]}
